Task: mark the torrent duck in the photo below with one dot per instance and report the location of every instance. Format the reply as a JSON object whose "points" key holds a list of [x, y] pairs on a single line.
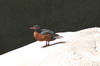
{"points": [[44, 34]]}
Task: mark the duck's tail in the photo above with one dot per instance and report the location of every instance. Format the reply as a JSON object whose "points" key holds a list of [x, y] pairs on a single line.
{"points": [[58, 36]]}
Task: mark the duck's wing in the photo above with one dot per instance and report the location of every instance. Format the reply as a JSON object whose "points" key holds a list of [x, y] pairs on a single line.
{"points": [[47, 31]]}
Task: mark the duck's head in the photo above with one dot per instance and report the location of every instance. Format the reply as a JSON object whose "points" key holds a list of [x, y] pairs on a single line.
{"points": [[36, 27]]}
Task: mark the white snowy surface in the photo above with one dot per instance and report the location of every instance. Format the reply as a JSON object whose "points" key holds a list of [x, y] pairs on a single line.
{"points": [[80, 48]]}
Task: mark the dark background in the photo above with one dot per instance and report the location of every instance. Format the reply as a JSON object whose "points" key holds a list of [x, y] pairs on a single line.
{"points": [[17, 16]]}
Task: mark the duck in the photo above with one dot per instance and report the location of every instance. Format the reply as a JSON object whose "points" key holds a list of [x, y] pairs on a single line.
{"points": [[44, 34]]}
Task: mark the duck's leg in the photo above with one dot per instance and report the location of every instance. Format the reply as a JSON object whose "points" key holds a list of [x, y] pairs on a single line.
{"points": [[48, 43]]}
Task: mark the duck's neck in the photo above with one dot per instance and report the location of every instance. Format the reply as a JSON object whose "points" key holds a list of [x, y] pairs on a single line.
{"points": [[38, 30]]}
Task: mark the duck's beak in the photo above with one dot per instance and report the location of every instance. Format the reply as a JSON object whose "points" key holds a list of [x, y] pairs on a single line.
{"points": [[32, 28]]}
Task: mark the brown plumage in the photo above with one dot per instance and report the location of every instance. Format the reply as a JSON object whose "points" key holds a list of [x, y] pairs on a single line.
{"points": [[40, 37], [44, 34]]}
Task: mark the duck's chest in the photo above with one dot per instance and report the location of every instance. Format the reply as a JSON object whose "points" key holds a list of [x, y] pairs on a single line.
{"points": [[36, 35], [41, 37]]}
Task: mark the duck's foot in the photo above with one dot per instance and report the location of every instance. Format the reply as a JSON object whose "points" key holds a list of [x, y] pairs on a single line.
{"points": [[45, 46]]}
